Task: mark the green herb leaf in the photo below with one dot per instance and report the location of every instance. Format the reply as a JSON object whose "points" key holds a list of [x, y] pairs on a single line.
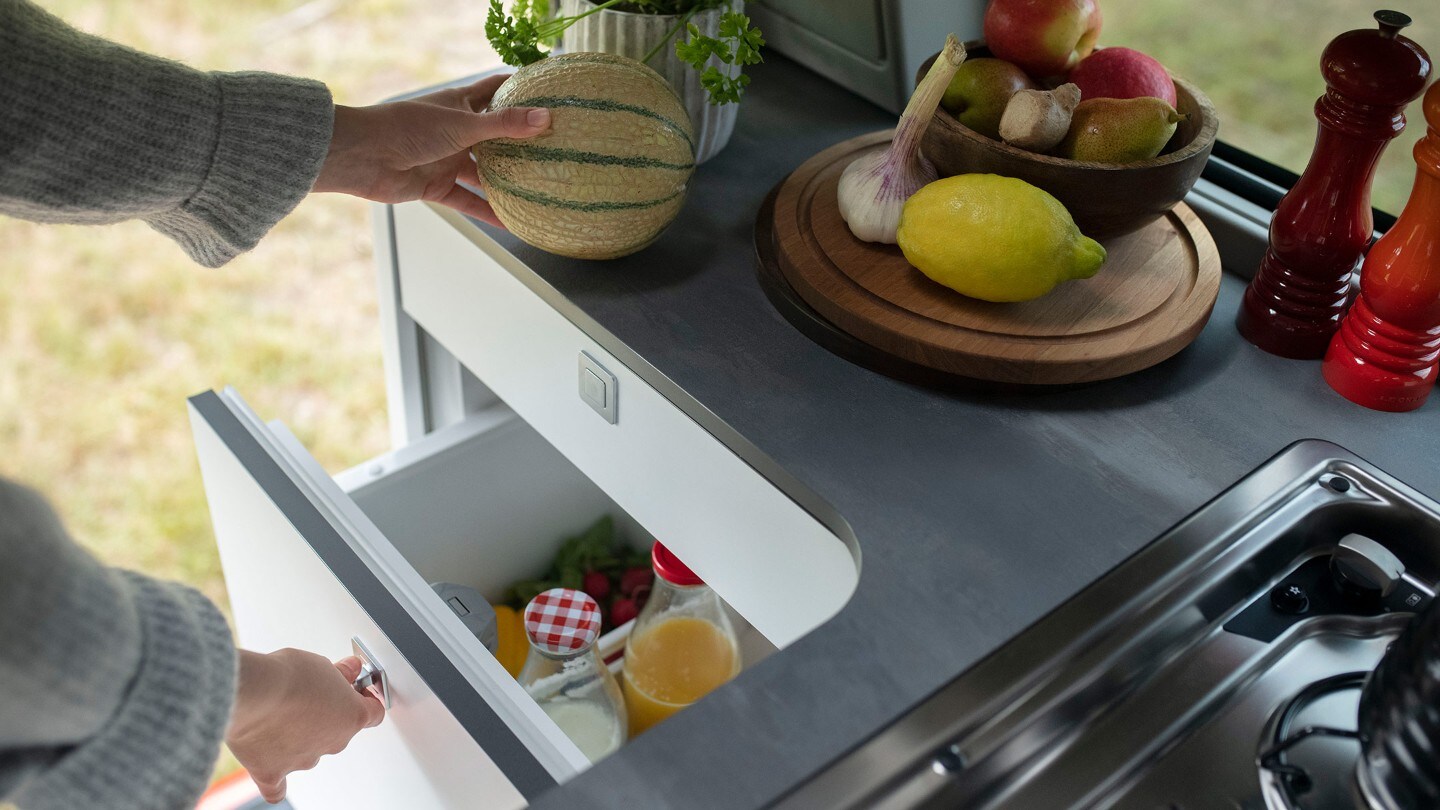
{"points": [[696, 50], [748, 41], [602, 532], [738, 44], [572, 577], [522, 592], [723, 89], [515, 38], [591, 550], [633, 558]]}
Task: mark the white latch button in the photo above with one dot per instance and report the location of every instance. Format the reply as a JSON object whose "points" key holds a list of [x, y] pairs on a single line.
{"points": [[598, 387]]}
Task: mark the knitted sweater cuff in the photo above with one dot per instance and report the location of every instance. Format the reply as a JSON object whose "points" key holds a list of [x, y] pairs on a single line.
{"points": [[273, 136], [159, 749]]}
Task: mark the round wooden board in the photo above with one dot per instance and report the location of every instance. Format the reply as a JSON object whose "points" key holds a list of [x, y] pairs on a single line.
{"points": [[1149, 300]]}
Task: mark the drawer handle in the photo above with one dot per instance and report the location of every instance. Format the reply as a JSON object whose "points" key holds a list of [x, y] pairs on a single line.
{"points": [[371, 673], [598, 387]]}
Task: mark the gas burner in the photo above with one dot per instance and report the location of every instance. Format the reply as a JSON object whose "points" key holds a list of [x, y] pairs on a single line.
{"points": [[1306, 763], [1228, 665]]}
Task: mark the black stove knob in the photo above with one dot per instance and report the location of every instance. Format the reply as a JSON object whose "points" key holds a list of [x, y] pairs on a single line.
{"points": [[1364, 569], [1289, 598]]}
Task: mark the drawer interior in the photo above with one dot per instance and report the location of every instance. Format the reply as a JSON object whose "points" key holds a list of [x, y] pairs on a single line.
{"points": [[488, 510], [485, 506]]}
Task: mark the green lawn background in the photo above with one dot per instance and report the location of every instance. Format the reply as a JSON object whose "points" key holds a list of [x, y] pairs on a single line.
{"points": [[1260, 64], [107, 330]]}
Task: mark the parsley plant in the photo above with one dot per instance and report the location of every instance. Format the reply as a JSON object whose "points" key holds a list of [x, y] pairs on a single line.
{"points": [[519, 35]]}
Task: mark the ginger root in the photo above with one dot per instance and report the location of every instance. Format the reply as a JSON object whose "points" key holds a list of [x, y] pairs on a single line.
{"points": [[1037, 120]]}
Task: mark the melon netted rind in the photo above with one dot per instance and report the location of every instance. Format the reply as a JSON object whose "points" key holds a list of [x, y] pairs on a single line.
{"points": [[610, 174]]}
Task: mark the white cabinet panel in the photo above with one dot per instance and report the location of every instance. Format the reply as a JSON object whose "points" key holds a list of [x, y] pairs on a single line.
{"points": [[773, 562]]}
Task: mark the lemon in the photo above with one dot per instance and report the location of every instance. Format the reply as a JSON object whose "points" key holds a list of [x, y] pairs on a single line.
{"points": [[994, 238]]}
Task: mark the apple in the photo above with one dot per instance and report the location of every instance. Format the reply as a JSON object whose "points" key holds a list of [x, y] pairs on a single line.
{"points": [[1122, 73], [1045, 38], [979, 91]]}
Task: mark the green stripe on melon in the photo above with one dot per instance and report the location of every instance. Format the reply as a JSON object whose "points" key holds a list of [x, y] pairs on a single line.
{"points": [[552, 155], [605, 105], [583, 206], [611, 173]]}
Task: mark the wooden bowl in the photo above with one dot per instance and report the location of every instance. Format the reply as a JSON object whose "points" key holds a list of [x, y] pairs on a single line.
{"points": [[1106, 199]]}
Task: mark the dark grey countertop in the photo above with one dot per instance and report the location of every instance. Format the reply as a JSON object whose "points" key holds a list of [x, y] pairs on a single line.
{"points": [[975, 513]]}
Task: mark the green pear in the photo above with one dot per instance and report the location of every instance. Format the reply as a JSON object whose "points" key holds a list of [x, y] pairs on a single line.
{"points": [[1119, 130], [979, 91]]}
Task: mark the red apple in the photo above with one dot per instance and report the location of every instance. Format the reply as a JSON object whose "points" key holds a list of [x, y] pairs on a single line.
{"points": [[1044, 37], [1122, 73]]}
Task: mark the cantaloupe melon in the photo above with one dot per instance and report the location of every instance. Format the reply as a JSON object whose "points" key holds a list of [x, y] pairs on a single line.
{"points": [[611, 173]]}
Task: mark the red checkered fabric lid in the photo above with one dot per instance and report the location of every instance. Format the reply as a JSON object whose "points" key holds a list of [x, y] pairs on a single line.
{"points": [[562, 620]]}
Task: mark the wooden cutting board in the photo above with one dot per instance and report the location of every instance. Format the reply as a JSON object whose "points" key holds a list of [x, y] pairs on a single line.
{"points": [[1149, 300]]}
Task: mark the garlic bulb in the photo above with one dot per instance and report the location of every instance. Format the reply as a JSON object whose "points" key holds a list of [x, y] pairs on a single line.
{"points": [[875, 186]]}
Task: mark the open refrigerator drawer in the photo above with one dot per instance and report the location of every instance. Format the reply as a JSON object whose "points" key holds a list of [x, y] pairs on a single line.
{"points": [[774, 563], [315, 561]]}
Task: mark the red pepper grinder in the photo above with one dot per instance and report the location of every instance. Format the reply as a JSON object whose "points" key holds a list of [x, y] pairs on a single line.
{"points": [[1385, 354], [1321, 227]]}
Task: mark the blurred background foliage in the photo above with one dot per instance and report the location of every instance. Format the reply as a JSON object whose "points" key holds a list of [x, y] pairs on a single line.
{"points": [[1260, 65], [106, 331]]}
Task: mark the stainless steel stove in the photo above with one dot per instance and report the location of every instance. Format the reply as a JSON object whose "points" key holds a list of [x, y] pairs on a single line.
{"points": [[1220, 667]]}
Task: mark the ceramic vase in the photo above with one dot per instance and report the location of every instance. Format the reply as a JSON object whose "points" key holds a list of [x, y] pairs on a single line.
{"points": [[638, 35]]}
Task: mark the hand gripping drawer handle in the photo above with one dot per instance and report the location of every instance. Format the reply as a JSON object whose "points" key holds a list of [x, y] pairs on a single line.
{"points": [[371, 673]]}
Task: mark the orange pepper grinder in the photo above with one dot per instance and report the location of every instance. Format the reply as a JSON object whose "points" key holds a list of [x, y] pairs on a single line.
{"points": [[1384, 356], [1321, 227]]}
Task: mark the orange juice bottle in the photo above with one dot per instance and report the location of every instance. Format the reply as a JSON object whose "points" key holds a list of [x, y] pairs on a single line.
{"points": [[682, 646]]}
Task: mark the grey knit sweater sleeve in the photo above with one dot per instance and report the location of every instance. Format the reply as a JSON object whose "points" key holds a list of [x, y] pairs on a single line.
{"points": [[92, 132], [115, 688]]}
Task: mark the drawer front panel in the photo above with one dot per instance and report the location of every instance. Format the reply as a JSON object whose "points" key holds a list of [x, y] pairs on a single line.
{"points": [[295, 581], [770, 559]]}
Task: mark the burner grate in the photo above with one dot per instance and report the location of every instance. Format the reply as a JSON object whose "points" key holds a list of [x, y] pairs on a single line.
{"points": [[1294, 780]]}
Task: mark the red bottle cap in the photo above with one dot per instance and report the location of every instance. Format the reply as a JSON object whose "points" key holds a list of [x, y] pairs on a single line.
{"points": [[669, 568], [562, 620]]}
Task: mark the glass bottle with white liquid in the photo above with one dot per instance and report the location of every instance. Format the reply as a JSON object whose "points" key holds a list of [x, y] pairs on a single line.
{"points": [[565, 675]]}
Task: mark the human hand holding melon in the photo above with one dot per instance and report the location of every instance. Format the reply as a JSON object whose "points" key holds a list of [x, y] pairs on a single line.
{"points": [[610, 175], [419, 148]]}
